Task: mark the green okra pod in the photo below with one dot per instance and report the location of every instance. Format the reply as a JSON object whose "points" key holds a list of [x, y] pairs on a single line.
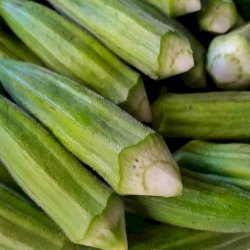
{"points": [[83, 207], [132, 158], [12, 47], [211, 115], [228, 163], [217, 16], [204, 205], [157, 49], [176, 7], [71, 51]]}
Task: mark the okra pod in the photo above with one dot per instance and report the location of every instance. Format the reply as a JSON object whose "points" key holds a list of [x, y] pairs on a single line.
{"points": [[12, 47], [157, 49], [195, 77], [132, 158], [228, 163], [203, 205], [71, 51], [83, 207], [212, 115]]}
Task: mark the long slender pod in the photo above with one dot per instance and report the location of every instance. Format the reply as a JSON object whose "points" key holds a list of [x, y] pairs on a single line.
{"points": [[71, 51], [132, 158], [85, 209]]}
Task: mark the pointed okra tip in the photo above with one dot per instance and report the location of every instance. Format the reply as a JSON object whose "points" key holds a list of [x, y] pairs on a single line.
{"points": [[148, 168], [108, 230], [176, 55]]}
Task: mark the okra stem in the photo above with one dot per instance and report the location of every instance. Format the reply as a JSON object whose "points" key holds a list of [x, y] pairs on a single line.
{"points": [[157, 49], [132, 158], [83, 207], [71, 51], [228, 59]]}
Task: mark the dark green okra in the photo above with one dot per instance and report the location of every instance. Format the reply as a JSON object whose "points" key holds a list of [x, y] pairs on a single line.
{"points": [[217, 16], [147, 235], [204, 205], [82, 206], [228, 163], [214, 115], [23, 226], [195, 77], [71, 51], [157, 49]]}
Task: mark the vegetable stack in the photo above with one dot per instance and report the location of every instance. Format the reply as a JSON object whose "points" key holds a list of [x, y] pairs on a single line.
{"points": [[77, 80]]}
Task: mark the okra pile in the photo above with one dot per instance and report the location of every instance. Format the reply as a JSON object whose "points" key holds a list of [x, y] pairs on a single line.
{"points": [[124, 124]]}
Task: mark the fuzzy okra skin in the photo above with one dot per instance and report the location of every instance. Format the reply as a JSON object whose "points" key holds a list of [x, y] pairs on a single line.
{"points": [[176, 7], [204, 205], [84, 208], [132, 158], [157, 49], [12, 47], [71, 51], [212, 115], [195, 77], [23, 226], [228, 163], [217, 16], [228, 59]]}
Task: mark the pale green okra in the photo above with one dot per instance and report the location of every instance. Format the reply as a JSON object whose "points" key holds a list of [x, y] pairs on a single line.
{"points": [[132, 158], [212, 115], [71, 51], [176, 7], [217, 16], [23, 226], [196, 76], [157, 49], [83, 207]]}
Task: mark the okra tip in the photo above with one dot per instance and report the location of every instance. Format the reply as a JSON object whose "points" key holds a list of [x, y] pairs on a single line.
{"points": [[176, 55], [148, 168], [108, 231]]}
